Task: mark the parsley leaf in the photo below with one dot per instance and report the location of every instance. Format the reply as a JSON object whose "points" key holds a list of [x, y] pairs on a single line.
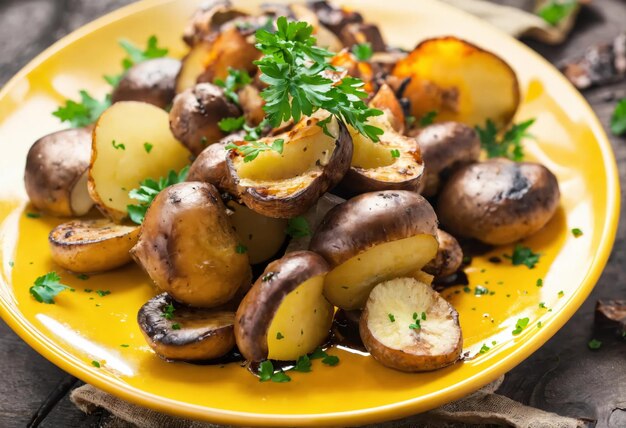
{"points": [[618, 119], [298, 227], [279, 336], [135, 55], [251, 149], [292, 66], [484, 349], [241, 249], [231, 124], [318, 353], [577, 232], [147, 147], [363, 51], [330, 360], [118, 146], [554, 11], [176, 326], [523, 256], [395, 153], [96, 364], [521, 324], [392, 318], [148, 190], [235, 80], [303, 364], [510, 145], [266, 372], [594, 344], [47, 287], [168, 312], [83, 113], [428, 118]]}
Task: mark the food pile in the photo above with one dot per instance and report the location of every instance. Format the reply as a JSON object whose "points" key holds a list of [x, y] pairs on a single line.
{"points": [[292, 169]]}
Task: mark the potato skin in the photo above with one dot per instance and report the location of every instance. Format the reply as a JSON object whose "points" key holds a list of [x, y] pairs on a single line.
{"points": [[301, 200], [195, 114], [445, 147], [92, 245], [449, 256], [54, 165], [188, 247], [256, 311], [498, 201], [371, 219], [152, 81]]}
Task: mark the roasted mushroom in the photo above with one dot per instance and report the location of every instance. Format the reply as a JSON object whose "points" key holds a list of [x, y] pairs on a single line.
{"points": [[210, 166], [449, 256], [188, 246], [208, 19], [56, 173], [285, 315], [498, 201], [372, 238], [151, 81]]}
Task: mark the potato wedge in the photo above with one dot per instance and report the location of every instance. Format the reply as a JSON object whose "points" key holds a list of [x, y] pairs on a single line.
{"points": [[460, 81], [288, 184], [408, 326], [151, 82], [178, 332], [285, 315], [120, 158], [56, 171], [188, 246], [372, 238], [92, 245]]}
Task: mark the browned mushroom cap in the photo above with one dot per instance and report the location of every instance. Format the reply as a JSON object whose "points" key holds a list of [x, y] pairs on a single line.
{"points": [[208, 19], [498, 201], [56, 172], [332, 17], [445, 148], [449, 256], [285, 315], [151, 81], [210, 165], [195, 115], [360, 33], [179, 332]]}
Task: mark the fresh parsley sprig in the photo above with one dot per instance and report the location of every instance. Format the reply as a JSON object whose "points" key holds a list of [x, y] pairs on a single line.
{"points": [[235, 80], [135, 56], [47, 287], [618, 119], [363, 51], [555, 11], [523, 256], [509, 145], [251, 149], [82, 113], [147, 191], [293, 68]]}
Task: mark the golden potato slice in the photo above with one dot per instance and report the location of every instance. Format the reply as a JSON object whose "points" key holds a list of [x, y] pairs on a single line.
{"points": [[132, 141], [179, 332], [193, 65], [460, 81], [408, 326], [285, 314], [92, 245]]}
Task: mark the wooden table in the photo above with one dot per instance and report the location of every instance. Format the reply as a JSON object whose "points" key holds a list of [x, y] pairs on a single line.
{"points": [[564, 376]]}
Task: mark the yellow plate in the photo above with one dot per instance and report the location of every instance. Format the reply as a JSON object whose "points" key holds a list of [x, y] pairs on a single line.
{"points": [[83, 327]]}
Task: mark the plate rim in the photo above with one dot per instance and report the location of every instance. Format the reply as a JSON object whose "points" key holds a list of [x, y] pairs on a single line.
{"points": [[45, 347]]}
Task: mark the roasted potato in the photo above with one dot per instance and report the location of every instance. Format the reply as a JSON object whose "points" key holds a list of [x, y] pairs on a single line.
{"points": [[56, 171], [252, 104], [408, 326], [208, 19], [92, 245], [445, 147], [188, 246], [178, 332], [152, 81], [386, 100], [449, 257], [498, 201], [131, 142], [288, 184], [453, 77], [195, 115], [285, 315], [372, 238]]}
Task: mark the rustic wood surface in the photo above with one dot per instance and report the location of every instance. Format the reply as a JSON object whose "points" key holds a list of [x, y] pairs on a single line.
{"points": [[564, 376]]}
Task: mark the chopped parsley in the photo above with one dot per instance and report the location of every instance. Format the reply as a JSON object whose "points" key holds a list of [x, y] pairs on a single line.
{"points": [[235, 80], [266, 373], [82, 276], [11, 263], [555, 11], [561, 293], [484, 349], [480, 290], [298, 227], [391, 318], [267, 276], [147, 147], [147, 191], [539, 324], [539, 282], [250, 149], [416, 322], [594, 344], [135, 56], [176, 326], [363, 51], [124, 345], [118, 146], [33, 215], [303, 364], [96, 364], [577, 232], [395, 153], [330, 360], [241, 249], [82, 113], [428, 118], [231, 124], [521, 324], [168, 312], [618, 119], [103, 293], [542, 305], [47, 287], [279, 336], [510, 145], [523, 256]]}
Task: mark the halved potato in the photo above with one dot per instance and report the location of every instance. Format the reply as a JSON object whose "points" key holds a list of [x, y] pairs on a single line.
{"points": [[372, 238], [460, 81], [288, 184], [56, 171], [285, 315], [188, 246], [92, 245], [408, 326], [186, 333], [120, 158]]}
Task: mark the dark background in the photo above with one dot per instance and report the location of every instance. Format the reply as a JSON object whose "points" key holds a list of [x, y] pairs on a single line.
{"points": [[564, 376]]}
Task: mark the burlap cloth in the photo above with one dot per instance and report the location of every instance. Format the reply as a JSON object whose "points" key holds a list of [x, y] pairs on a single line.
{"points": [[480, 408]]}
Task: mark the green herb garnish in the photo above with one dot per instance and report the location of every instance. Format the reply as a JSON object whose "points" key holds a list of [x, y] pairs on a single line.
{"points": [[480, 290], [103, 293], [168, 312], [82, 276], [594, 344], [521, 324], [523, 256], [33, 215], [124, 345], [539, 282], [428, 118], [363, 51], [577, 232], [303, 364], [510, 145], [235, 80], [148, 190], [135, 55], [147, 147], [82, 113], [176, 326], [561, 293], [618, 119], [391, 317], [484, 349], [298, 227], [266, 372], [241, 249], [330, 360], [542, 305], [96, 364], [47, 287], [231, 124], [118, 146], [279, 336], [251, 149], [555, 11], [395, 153]]}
